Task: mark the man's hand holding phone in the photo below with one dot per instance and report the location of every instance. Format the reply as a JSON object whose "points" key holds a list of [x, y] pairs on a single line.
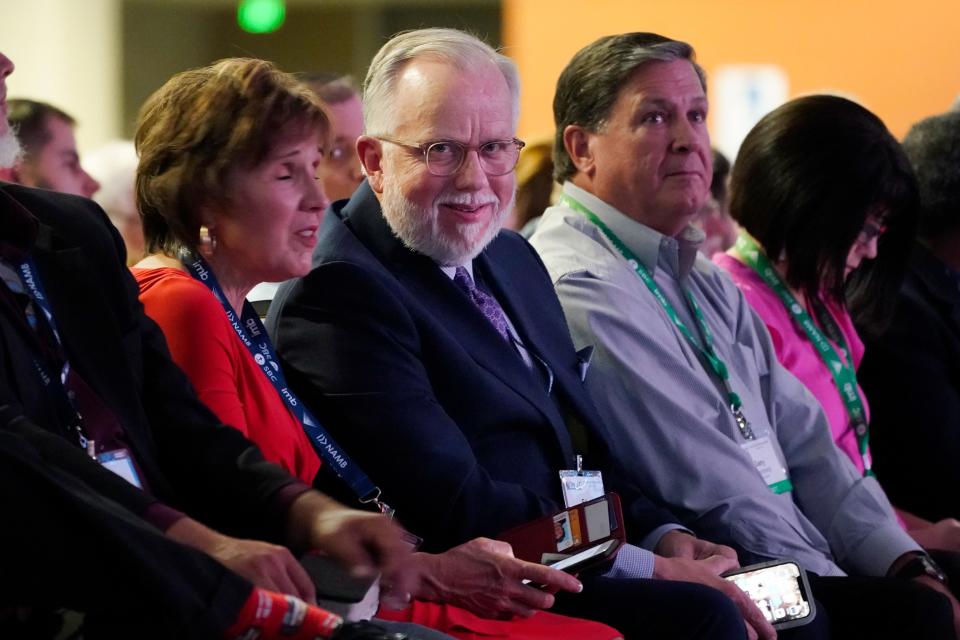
{"points": [[780, 589], [707, 572]]}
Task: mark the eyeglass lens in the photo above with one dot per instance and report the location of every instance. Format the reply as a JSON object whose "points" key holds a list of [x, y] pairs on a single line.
{"points": [[497, 157]]}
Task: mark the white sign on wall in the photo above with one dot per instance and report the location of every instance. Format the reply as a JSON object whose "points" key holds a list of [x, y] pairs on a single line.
{"points": [[742, 94]]}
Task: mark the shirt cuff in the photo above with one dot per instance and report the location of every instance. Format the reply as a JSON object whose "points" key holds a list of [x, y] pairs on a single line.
{"points": [[653, 538], [881, 548], [631, 563], [161, 516], [289, 493]]}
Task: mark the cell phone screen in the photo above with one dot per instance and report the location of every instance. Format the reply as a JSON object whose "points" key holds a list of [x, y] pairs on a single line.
{"points": [[779, 590]]}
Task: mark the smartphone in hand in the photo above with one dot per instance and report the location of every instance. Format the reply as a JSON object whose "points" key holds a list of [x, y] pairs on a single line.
{"points": [[780, 590]]}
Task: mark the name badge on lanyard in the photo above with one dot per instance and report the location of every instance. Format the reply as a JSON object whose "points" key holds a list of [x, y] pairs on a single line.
{"points": [[838, 361], [580, 485], [768, 464], [119, 462], [761, 450]]}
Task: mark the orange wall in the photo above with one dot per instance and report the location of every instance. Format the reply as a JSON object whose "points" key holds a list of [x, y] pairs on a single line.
{"points": [[899, 59]]}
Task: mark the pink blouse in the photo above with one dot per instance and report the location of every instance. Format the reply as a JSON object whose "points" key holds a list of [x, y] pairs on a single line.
{"points": [[797, 353]]}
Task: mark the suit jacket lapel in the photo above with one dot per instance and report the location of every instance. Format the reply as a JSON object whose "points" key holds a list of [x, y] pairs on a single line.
{"points": [[473, 331]]}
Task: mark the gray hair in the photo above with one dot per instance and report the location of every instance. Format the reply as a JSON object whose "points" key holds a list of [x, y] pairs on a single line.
{"points": [[933, 147], [591, 82], [461, 49]]}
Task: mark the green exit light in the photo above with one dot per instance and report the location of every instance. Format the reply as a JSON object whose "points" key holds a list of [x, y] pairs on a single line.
{"points": [[261, 16]]}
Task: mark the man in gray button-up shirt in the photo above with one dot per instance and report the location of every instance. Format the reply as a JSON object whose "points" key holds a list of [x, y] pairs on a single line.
{"points": [[633, 152]]}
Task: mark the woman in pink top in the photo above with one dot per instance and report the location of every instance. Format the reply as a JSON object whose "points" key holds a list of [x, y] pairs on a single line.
{"points": [[821, 189]]}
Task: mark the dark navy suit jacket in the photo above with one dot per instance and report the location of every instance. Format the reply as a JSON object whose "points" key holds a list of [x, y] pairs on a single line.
{"points": [[420, 389], [189, 459]]}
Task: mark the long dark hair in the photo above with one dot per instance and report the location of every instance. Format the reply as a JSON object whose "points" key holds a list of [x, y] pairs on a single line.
{"points": [[807, 177]]}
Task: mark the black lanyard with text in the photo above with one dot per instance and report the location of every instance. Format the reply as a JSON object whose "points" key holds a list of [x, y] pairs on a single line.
{"points": [[50, 380], [253, 335]]}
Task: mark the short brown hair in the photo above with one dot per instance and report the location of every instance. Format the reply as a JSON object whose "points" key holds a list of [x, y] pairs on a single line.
{"points": [[590, 84], [30, 118], [201, 124]]}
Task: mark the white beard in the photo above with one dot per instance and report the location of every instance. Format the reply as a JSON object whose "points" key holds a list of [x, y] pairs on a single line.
{"points": [[419, 228], [9, 149]]}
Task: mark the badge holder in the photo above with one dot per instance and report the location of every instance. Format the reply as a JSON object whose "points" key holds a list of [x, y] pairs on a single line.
{"points": [[767, 462], [579, 485], [582, 537]]}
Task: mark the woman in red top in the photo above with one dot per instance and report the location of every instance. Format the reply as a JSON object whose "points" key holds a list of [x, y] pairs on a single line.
{"points": [[229, 197]]}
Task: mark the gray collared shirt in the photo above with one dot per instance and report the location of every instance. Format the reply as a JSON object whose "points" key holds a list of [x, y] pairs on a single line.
{"points": [[667, 413]]}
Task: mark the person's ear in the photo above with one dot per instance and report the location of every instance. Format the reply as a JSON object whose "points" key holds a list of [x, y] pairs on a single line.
{"points": [[21, 173], [207, 241], [370, 152], [207, 215], [576, 140]]}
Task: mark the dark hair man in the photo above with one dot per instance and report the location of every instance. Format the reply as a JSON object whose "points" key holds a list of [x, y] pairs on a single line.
{"points": [[698, 410]]}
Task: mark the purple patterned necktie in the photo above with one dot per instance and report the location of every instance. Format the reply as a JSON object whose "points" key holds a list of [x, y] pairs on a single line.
{"points": [[486, 303]]}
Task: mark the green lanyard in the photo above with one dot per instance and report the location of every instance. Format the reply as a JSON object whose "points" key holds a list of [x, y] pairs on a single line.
{"points": [[844, 376], [707, 351]]}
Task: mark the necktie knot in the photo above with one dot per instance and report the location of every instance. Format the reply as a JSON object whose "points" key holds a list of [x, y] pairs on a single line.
{"points": [[486, 303]]}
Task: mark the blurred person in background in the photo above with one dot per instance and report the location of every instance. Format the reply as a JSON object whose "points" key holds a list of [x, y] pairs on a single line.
{"points": [[114, 166], [340, 169], [911, 372], [535, 186], [50, 159], [714, 217]]}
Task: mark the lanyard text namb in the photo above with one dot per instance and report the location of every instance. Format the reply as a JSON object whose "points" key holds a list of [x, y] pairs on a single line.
{"points": [[31, 280], [717, 366], [844, 376], [254, 336]]}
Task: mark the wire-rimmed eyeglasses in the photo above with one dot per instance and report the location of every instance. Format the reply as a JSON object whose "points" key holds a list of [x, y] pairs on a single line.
{"points": [[445, 157]]}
